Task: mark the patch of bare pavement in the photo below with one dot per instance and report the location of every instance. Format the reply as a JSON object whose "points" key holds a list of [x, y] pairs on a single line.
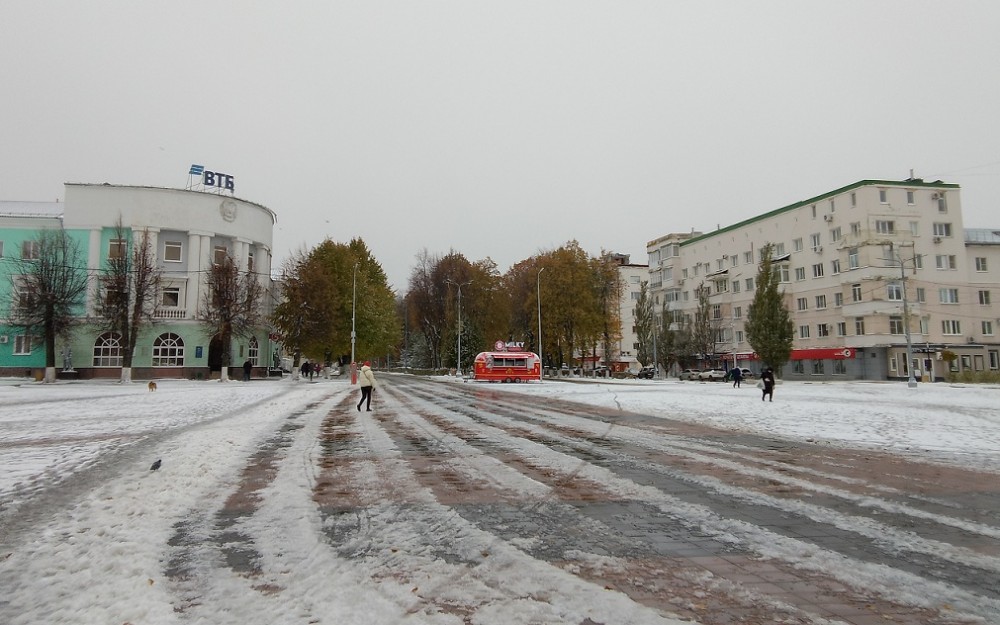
{"points": [[464, 500]]}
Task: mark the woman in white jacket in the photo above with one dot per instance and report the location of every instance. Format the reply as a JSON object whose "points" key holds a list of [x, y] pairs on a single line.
{"points": [[367, 382]]}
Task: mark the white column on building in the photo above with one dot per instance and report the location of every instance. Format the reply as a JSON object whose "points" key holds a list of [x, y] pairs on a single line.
{"points": [[94, 270], [198, 261]]}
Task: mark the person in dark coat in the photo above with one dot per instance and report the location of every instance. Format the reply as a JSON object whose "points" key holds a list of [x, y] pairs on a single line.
{"points": [[768, 379], [737, 377], [247, 369]]}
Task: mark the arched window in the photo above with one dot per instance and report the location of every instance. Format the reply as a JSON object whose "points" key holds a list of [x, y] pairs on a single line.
{"points": [[168, 351], [108, 350], [254, 351]]}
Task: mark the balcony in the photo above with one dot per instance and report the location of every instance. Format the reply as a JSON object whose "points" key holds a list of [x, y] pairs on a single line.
{"points": [[171, 312]]}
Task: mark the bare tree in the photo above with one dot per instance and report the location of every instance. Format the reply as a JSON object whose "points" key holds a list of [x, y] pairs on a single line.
{"points": [[49, 282], [130, 281], [231, 308]]}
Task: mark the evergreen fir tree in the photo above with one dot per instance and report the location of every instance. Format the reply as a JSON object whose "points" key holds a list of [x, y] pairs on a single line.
{"points": [[769, 325]]}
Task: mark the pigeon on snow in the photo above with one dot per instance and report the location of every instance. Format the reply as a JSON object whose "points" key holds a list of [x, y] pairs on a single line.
{"points": [[156, 465]]}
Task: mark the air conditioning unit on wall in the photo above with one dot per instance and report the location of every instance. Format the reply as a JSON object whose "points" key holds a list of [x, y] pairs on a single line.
{"points": [[827, 217], [4, 339]]}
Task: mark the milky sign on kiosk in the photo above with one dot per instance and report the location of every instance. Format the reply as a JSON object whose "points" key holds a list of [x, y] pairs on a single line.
{"points": [[213, 178]]}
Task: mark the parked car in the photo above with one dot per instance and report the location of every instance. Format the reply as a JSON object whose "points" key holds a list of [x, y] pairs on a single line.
{"points": [[747, 374], [646, 373], [712, 375], [689, 374]]}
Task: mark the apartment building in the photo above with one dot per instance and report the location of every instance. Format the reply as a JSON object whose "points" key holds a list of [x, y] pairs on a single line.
{"points": [[863, 268], [189, 231]]}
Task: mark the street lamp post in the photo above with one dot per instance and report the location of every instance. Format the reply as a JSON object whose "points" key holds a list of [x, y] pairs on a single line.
{"points": [[354, 299], [538, 286], [458, 368]]}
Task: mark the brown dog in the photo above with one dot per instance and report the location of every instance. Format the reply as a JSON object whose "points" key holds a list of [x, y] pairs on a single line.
{"points": [[152, 385]]}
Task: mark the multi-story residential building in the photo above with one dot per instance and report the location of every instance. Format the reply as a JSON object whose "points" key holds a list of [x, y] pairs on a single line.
{"points": [[189, 231], [861, 268], [631, 277]]}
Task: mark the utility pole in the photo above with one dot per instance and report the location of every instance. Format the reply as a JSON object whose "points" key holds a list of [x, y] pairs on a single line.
{"points": [[538, 290]]}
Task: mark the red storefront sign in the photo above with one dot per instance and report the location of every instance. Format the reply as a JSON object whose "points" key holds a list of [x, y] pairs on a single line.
{"points": [[824, 353]]}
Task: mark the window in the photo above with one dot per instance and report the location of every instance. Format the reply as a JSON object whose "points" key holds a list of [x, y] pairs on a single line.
{"points": [[749, 283], [822, 330], [817, 367], [1, 249], [739, 336], [747, 258], [894, 292], [803, 332], [22, 344], [798, 366], [925, 326], [737, 312], [855, 292], [980, 263], [835, 266], [921, 295], [883, 196], [797, 244], [988, 328], [994, 359], [168, 351], [909, 198], [172, 251], [814, 241], [951, 326], [720, 264], [895, 325], [852, 258], [734, 260], [108, 350], [800, 274], [841, 328], [883, 226], [833, 206], [818, 270], [946, 261], [859, 326], [254, 351], [779, 249], [220, 254], [781, 272], [803, 303], [856, 228], [854, 199], [839, 367], [918, 261], [835, 235], [29, 250], [717, 311], [736, 286], [813, 211], [117, 248], [984, 298], [838, 299], [942, 229], [942, 204], [170, 297], [820, 301], [948, 296]]}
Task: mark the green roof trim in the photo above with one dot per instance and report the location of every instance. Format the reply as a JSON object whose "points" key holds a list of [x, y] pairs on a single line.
{"points": [[911, 183]]}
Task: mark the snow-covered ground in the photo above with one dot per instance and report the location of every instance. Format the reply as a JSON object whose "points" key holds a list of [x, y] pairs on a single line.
{"points": [[83, 519]]}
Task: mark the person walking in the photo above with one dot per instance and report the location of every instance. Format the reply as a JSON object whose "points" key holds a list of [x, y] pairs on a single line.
{"points": [[247, 370], [737, 377], [768, 379], [367, 382]]}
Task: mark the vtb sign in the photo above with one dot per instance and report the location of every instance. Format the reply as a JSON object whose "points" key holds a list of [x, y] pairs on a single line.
{"points": [[213, 178]]}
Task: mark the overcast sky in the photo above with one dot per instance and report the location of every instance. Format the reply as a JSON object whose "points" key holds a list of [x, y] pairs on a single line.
{"points": [[506, 128]]}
